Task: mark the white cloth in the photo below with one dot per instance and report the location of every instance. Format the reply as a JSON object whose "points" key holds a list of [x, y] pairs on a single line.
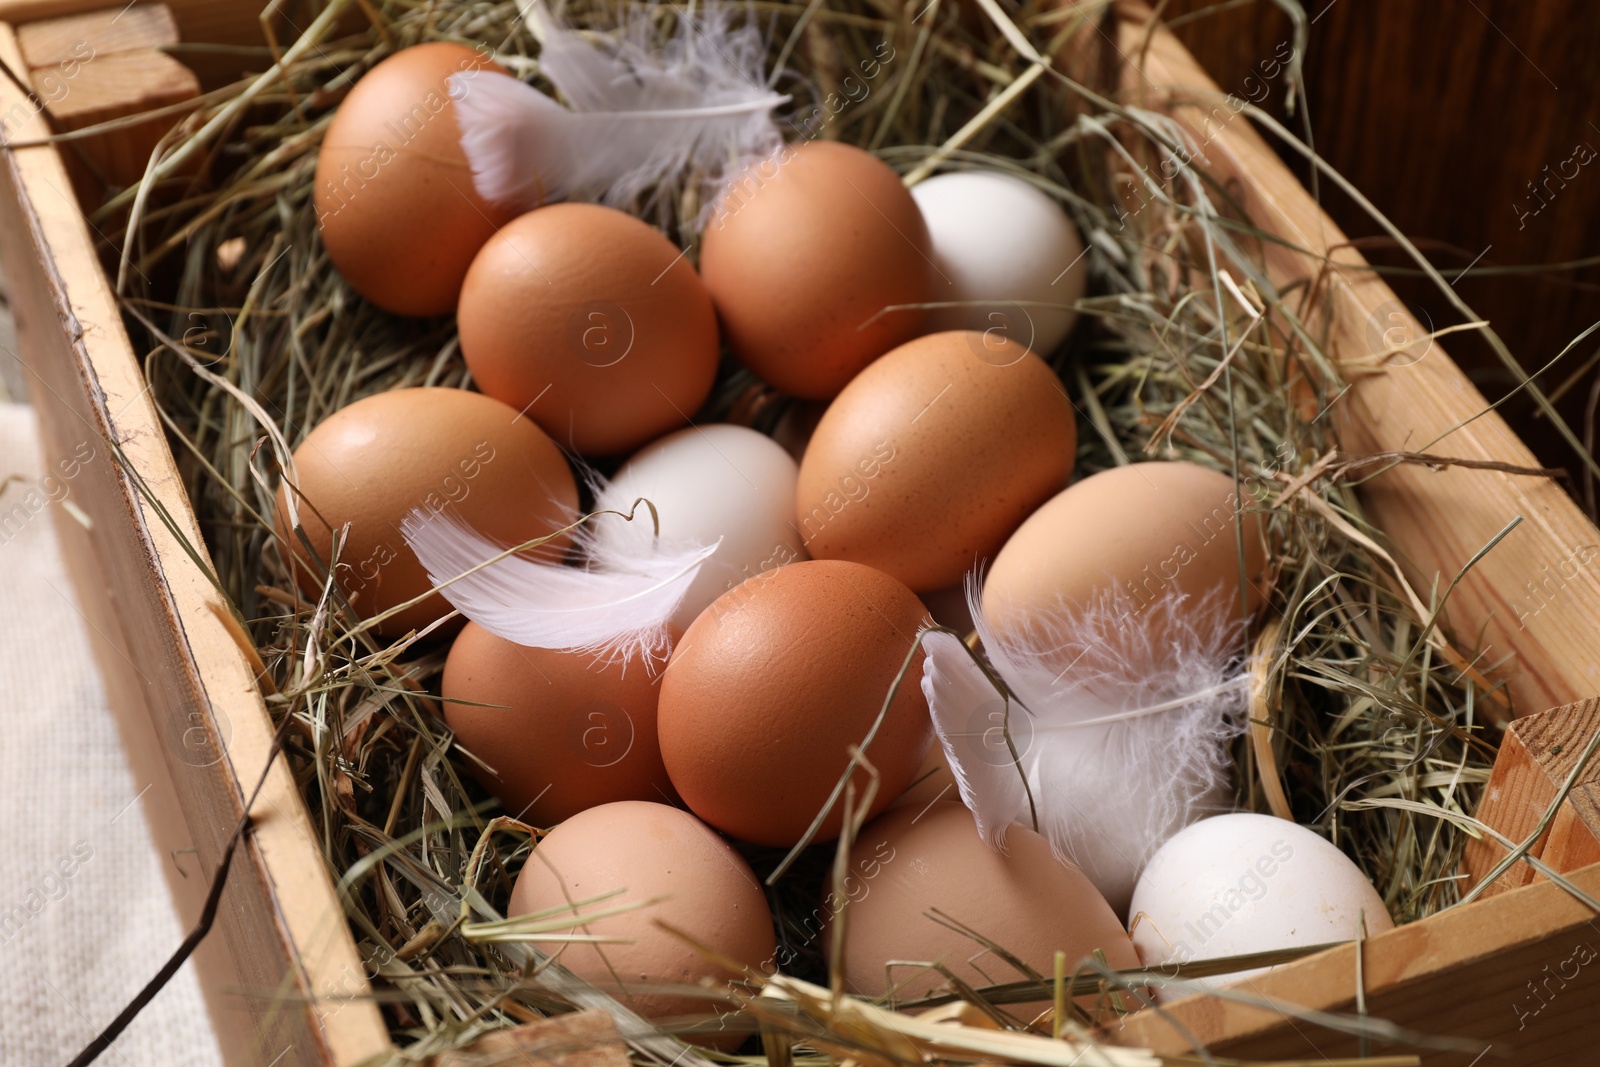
{"points": [[85, 914]]}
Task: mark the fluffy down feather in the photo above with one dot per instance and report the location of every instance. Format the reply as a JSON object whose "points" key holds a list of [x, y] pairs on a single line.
{"points": [[1112, 739], [636, 114]]}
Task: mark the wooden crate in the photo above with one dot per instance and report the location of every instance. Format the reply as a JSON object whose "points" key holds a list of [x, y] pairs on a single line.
{"points": [[281, 972]]}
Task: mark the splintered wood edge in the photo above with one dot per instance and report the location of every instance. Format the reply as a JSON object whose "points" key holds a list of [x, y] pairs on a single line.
{"points": [[282, 839], [1536, 597], [96, 33], [1536, 757]]}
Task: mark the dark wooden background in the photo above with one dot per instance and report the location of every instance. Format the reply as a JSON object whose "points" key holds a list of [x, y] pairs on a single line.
{"points": [[1443, 112]]}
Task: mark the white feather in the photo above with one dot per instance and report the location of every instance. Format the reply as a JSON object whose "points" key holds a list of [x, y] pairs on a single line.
{"points": [[1122, 735], [614, 605], [975, 722], [637, 114]]}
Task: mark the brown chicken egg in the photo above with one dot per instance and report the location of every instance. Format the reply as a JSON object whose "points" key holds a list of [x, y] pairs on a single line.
{"points": [[934, 781], [553, 732], [593, 323], [1125, 539], [775, 680], [913, 861], [933, 455], [442, 450], [699, 885], [804, 257], [394, 197]]}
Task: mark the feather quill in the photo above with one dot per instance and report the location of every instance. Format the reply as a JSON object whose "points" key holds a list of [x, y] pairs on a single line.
{"points": [[1114, 732], [636, 113], [613, 604]]}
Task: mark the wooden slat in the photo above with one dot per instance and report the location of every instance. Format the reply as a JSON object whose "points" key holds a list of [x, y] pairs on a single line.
{"points": [[290, 958], [116, 84], [90, 69], [1538, 754], [213, 21], [98, 33], [1535, 598]]}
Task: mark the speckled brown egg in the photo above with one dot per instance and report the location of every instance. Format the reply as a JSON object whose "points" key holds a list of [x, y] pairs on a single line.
{"points": [[553, 732], [650, 851], [912, 861], [775, 680], [1128, 538], [395, 202], [593, 323], [443, 450], [933, 455], [805, 255]]}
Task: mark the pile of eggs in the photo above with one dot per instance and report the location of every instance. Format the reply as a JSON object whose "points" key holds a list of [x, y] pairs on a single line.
{"points": [[913, 322]]}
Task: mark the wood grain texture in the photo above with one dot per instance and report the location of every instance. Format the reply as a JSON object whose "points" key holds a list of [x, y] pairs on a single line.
{"points": [[1464, 973], [1444, 114], [1574, 838], [1450, 973], [1536, 757], [60, 40], [1532, 605], [1515, 800], [193, 715], [115, 84], [93, 68], [212, 21]]}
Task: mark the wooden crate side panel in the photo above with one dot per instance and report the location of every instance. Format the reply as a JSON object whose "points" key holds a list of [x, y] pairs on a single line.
{"points": [[285, 933], [1535, 599], [65, 438], [212, 21], [1520, 972]]}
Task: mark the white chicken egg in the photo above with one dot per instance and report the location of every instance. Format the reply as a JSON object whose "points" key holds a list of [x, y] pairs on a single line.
{"points": [[709, 482], [1000, 240], [1241, 883]]}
